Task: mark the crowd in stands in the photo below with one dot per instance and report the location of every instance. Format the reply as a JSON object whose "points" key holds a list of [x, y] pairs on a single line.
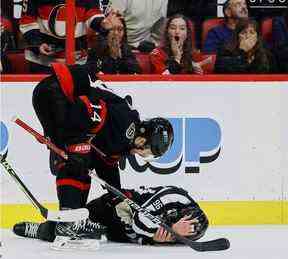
{"points": [[146, 37]]}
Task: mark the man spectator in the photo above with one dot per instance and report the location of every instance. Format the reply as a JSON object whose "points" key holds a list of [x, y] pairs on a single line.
{"points": [[43, 27], [234, 10], [144, 20]]}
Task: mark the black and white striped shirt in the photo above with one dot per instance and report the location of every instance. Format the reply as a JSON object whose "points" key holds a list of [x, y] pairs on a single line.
{"points": [[158, 200]]}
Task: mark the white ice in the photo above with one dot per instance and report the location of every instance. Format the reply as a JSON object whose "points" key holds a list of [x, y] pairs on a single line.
{"points": [[257, 242]]}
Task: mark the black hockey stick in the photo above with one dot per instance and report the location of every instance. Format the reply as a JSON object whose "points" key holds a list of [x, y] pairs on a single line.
{"points": [[213, 245], [64, 216]]}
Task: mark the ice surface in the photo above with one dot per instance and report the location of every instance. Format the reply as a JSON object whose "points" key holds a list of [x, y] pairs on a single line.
{"points": [[263, 242]]}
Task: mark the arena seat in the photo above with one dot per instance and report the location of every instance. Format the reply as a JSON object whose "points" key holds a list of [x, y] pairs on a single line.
{"points": [[266, 30], [143, 61], [207, 25], [17, 62]]}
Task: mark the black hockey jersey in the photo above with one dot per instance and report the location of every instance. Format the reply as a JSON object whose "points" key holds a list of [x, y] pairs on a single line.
{"points": [[116, 136], [43, 21]]}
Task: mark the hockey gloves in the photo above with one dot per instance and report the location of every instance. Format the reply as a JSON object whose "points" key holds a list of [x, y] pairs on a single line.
{"points": [[79, 156]]}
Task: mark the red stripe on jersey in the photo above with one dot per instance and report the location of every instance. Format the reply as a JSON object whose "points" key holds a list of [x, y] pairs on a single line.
{"points": [[87, 103], [45, 12], [73, 183], [102, 115], [65, 80], [27, 19]]}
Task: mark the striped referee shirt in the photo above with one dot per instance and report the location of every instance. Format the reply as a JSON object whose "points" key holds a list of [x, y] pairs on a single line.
{"points": [[158, 200]]}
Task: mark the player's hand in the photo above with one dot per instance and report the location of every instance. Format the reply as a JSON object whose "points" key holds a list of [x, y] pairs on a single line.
{"points": [[79, 156], [45, 49], [162, 236], [185, 226]]}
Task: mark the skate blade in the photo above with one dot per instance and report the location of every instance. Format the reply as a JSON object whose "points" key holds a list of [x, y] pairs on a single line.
{"points": [[62, 243]]}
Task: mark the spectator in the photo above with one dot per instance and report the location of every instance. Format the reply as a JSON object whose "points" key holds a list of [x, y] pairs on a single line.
{"points": [[234, 10], [43, 28], [7, 36], [144, 20], [175, 54], [7, 43], [196, 10], [280, 39], [116, 56], [245, 52]]}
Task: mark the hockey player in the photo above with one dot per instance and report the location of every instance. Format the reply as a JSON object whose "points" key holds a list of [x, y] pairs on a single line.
{"points": [[95, 127], [173, 204], [43, 27]]}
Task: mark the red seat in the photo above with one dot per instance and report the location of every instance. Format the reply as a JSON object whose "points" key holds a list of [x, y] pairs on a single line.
{"points": [[143, 60], [207, 25], [17, 62], [266, 30]]}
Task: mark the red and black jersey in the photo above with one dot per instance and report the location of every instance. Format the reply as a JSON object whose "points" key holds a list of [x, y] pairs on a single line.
{"points": [[43, 21], [70, 109], [116, 136]]}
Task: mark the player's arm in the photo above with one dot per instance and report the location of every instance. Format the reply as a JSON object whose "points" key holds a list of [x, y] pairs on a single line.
{"points": [[28, 24]]}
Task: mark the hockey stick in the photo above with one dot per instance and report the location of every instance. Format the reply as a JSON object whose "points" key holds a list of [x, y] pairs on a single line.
{"points": [[213, 245], [40, 138], [63, 216]]}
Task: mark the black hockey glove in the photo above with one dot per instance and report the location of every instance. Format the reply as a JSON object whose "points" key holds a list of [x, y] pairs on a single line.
{"points": [[78, 157]]}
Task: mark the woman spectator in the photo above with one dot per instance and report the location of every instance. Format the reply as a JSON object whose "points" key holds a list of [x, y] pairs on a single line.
{"points": [[114, 56], [245, 52], [174, 56]]}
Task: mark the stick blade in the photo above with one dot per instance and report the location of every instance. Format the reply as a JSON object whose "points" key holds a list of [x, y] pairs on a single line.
{"points": [[68, 215], [213, 245]]}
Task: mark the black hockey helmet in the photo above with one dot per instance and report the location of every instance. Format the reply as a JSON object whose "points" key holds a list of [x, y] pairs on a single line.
{"points": [[195, 212], [158, 133]]}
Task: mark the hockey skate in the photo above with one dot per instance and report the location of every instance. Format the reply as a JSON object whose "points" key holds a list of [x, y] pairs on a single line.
{"points": [[27, 229], [48, 230], [83, 229]]}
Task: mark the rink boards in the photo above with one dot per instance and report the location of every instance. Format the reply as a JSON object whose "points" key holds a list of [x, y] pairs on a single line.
{"points": [[230, 148]]}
